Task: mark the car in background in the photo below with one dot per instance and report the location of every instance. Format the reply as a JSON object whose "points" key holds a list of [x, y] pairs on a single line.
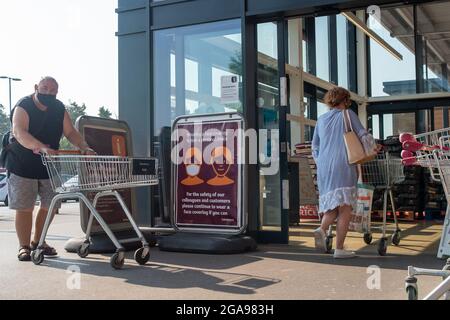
{"points": [[4, 188]]}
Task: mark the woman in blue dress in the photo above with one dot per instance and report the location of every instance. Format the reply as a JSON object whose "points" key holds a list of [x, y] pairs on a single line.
{"points": [[336, 178]]}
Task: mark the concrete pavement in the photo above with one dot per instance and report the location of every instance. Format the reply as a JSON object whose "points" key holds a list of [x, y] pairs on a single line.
{"points": [[272, 272]]}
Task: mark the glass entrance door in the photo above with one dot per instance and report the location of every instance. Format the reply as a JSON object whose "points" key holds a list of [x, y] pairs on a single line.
{"points": [[271, 108]]}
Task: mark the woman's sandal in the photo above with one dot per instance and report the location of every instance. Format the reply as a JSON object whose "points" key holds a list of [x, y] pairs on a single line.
{"points": [[46, 250], [24, 253]]}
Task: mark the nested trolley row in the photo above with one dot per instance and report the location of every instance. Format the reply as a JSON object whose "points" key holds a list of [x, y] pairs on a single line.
{"points": [[438, 161], [432, 151]]}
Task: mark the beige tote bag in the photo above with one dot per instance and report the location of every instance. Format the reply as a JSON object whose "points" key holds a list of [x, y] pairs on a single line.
{"points": [[355, 150]]}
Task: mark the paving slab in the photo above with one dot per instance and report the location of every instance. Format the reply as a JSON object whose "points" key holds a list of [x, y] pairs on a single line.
{"points": [[294, 271]]}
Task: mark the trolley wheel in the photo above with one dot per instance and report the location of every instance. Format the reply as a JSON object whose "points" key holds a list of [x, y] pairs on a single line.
{"points": [[382, 247], [412, 293], [368, 238], [329, 244], [139, 258], [37, 256], [83, 250], [117, 261], [396, 236]]}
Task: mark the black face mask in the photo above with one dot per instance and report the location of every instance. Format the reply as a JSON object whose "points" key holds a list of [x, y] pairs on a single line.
{"points": [[47, 100]]}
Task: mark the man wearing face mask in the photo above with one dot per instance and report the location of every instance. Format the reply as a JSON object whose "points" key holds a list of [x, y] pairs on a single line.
{"points": [[38, 123]]}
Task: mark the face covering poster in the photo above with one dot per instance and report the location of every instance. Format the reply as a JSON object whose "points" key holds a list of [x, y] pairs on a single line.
{"points": [[208, 176]]}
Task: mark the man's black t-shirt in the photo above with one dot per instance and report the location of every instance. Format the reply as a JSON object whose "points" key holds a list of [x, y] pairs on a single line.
{"points": [[45, 126]]}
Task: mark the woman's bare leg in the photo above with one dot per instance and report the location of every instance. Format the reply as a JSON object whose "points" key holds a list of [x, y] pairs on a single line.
{"points": [[328, 219], [343, 221]]}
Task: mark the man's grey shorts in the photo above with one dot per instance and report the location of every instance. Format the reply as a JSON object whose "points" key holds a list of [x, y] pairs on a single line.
{"points": [[23, 192]]}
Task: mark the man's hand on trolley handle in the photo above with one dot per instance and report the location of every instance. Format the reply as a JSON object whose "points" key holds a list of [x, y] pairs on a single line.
{"points": [[49, 151], [45, 150], [86, 150]]}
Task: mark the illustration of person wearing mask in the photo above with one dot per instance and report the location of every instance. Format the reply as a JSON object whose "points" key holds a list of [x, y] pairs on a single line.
{"points": [[221, 161], [192, 161]]}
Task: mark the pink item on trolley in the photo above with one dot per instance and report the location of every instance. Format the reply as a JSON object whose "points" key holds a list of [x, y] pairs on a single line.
{"points": [[406, 137]]}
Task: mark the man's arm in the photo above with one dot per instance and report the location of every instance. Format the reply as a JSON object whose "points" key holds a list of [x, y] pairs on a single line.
{"points": [[20, 128], [73, 135]]}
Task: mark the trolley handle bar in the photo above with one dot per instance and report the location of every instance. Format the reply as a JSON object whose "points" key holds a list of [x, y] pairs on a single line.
{"points": [[60, 153], [68, 152]]}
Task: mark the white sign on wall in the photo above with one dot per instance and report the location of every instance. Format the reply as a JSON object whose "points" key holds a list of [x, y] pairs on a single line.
{"points": [[229, 89]]}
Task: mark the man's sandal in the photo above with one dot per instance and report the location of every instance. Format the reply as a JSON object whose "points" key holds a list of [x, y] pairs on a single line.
{"points": [[24, 253], [46, 249]]}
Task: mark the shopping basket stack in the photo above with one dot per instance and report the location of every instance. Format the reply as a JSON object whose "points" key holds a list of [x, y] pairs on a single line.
{"points": [[104, 175]]}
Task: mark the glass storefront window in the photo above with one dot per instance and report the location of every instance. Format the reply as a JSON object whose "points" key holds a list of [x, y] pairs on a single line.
{"points": [[430, 49], [308, 133], [389, 76], [376, 126], [434, 31], [189, 64], [393, 124], [268, 111], [322, 108], [314, 101], [322, 48], [388, 125], [403, 122], [342, 51], [304, 48]]}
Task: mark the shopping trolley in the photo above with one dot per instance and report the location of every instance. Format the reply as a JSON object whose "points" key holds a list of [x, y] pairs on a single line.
{"points": [[382, 172], [438, 161], [104, 175]]}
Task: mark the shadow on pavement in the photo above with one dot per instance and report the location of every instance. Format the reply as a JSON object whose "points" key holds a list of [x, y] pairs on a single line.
{"points": [[423, 252], [160, 275], [364, 259], [206, 261]]}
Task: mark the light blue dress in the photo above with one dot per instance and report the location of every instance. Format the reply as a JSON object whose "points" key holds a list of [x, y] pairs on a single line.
{"points": [[336, 178]]}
